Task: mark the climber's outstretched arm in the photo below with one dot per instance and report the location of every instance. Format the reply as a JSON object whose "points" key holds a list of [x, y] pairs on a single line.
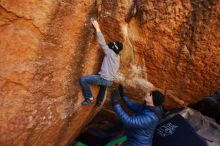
{"points": [[100, 36]]}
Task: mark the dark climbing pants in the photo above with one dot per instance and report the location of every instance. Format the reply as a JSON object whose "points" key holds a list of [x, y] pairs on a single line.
{"points": [[85, 81]]}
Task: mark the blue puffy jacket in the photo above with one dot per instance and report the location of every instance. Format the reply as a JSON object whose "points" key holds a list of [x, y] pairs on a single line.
{"points": [[141, 126]]}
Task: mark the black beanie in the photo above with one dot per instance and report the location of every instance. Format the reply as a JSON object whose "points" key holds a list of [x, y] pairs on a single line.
{"points": [[116, 46], [158, 98]]}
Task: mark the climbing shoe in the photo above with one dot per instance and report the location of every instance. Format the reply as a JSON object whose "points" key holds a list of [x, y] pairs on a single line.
{"points": [[88, 101]]}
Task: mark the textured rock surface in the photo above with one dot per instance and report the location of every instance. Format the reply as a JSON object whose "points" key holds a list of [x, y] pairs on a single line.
{"points": [[45, 46]]}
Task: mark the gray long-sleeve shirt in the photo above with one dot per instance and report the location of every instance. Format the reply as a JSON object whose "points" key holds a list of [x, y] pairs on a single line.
{"points": [[111, 61]]}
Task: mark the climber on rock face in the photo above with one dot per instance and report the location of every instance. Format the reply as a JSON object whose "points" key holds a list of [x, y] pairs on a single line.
{"points": [[142, 124], [109, 68]]}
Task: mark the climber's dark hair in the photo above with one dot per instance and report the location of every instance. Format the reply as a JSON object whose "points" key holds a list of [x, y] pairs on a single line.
{"points": [[116, 46]]}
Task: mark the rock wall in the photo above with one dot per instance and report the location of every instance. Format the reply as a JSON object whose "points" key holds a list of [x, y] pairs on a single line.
{"points": [[46, 46], [176, 42]]}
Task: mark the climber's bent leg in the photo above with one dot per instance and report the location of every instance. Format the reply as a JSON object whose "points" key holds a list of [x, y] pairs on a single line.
{"points": [[84, 81], [101, 94], [92, 80], [103, 86]]}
